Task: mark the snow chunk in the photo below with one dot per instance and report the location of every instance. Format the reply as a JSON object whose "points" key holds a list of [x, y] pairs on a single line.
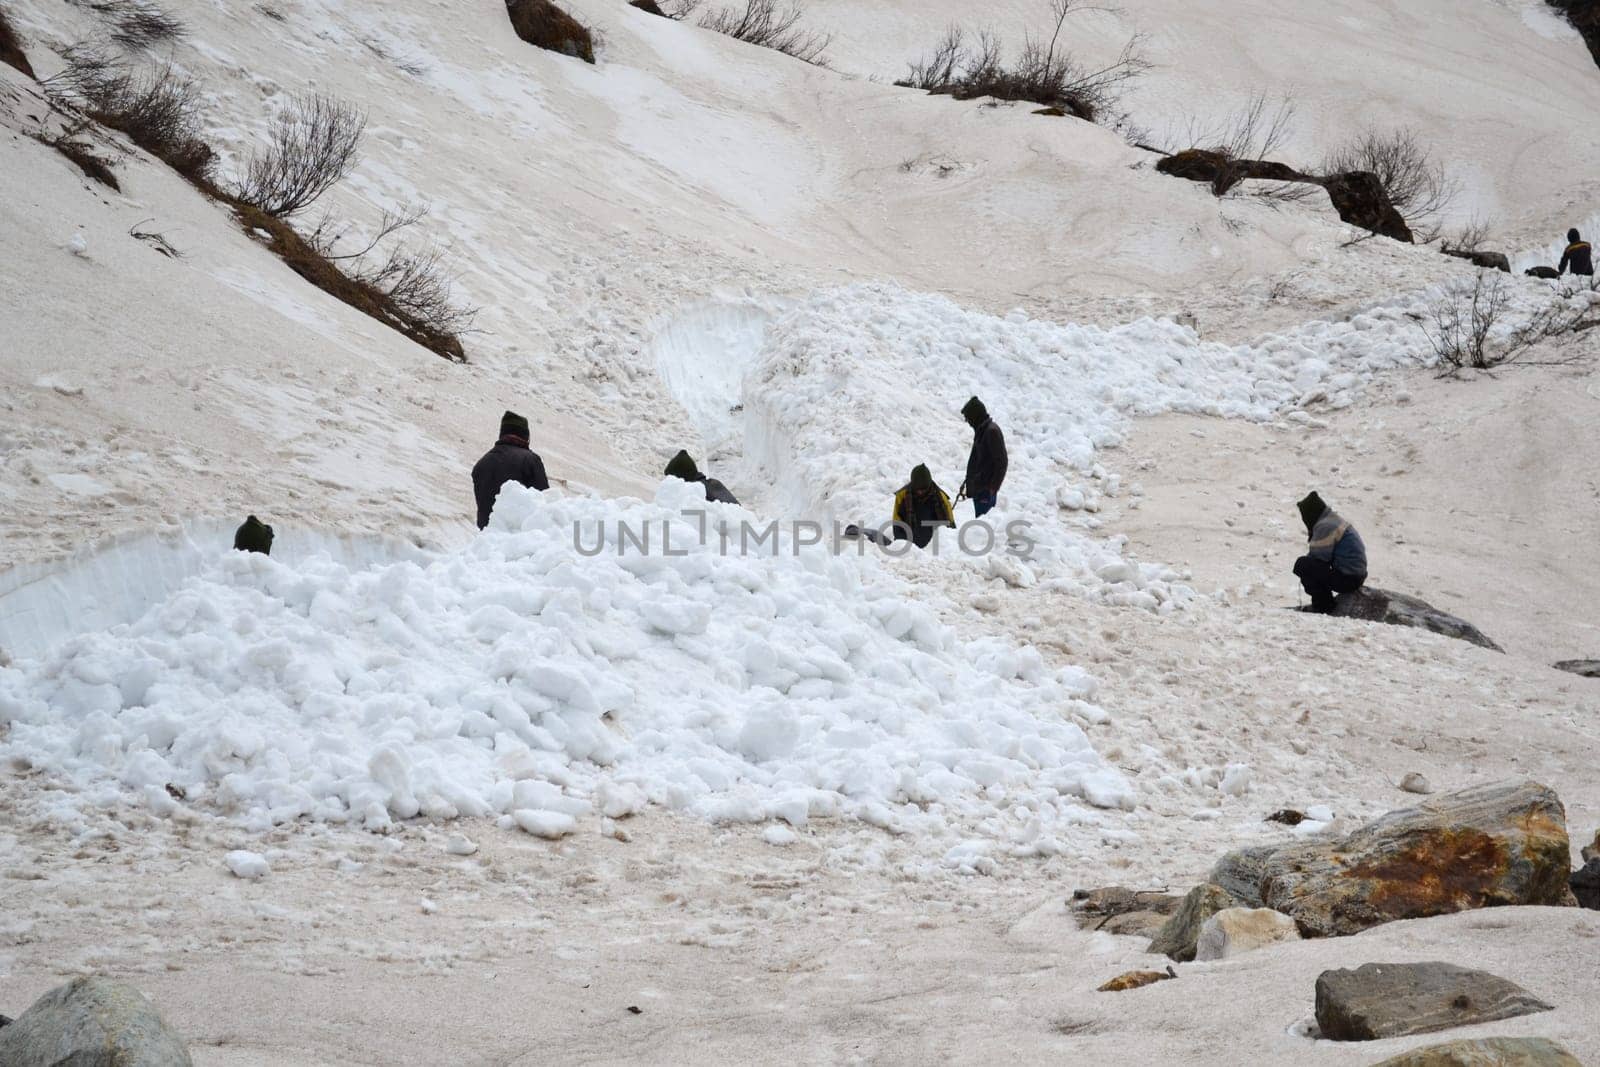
{"points": [[251, 866]]}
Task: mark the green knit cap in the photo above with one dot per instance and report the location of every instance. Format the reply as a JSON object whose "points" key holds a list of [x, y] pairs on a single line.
{"points": [[682, 466], [514, 425]]}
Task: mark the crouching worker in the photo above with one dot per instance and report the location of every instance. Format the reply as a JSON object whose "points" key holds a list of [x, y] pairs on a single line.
{"points": [[1335, 562], [510, 460], [253, 535], [920, 508], [682, 466]]}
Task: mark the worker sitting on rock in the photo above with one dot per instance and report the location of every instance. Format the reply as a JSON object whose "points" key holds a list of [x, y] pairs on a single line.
{"points": [[253, 535], [920, 508], [682, 466], [1578, 255], [1335, 562]]}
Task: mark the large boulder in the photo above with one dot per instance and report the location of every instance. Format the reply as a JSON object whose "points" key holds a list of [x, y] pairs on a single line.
{"points": [[1397, 609], [1585, 18], [1381, 1000], [1361, 200], [1497, 844], [1235, 931], [1242, 871], [1587, 668], [1181, 933], [1585, 884], [544, 25], [91, 1022], [1487, 1052]]}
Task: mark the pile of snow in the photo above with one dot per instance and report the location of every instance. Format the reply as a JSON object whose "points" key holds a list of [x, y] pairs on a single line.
{"points": [[529, 677], [859, 384]]}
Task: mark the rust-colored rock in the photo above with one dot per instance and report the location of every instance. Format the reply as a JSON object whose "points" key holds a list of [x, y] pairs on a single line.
{"points": [[1493, 845], [1135, 980]]}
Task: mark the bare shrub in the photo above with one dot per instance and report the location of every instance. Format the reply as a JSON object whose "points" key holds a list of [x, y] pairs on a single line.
{"points": [[766, 23], [544, 25], [1044, 72], [1406, 168], [136, 24], [1468, 239], [160, 110], [68, 142], [11, 52], [1470, 327], [313, 146]]}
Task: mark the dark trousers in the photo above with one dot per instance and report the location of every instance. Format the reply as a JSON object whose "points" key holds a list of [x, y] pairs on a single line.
{"points": [[982, 503], [1321, 582]]}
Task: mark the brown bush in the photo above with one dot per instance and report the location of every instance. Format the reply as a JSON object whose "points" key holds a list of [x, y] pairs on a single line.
{"points": [[314, 144], [158, 111], [764, 23], [11, 52], [85, 160], [544, 25]]}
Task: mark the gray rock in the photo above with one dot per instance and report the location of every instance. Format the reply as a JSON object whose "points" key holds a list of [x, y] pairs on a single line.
{"points": [[1485, 260], [1585, 883], [1415, 783], [1116, 910], [1592, 851], [1181, 933], [91, 1022], [1397, 609], [1588, 668], [1487, 1052], [1496, 844], [1241, 871], [1381, 1000]]}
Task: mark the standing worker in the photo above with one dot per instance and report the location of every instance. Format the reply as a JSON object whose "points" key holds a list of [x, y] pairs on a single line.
{"points": [[986, 463], [510, 460]]}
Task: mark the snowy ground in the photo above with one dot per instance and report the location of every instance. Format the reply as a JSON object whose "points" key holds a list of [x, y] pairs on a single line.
{"points": [[798, 808]]}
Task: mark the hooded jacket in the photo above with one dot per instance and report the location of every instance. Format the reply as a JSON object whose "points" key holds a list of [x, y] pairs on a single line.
{"points": [[1579, 256], [986, 463], [508, 461], [921, 515], [1332, 539]]}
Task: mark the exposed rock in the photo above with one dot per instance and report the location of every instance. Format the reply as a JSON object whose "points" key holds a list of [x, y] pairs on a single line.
{"points": [[1588, 668], [1287, 816], [1585, 18], [543, 24], [1592, 851], [11, 47], [1486, 260], [1180, 933], [1361, 200], [1115, 910], [1053, 112], [1379, 1000], [1241, 872], [1234, 931], [1397, 609], [648, 6], [1415, 783], [1135, 980], [91, 1022], [1585, 884], [1548, 273], [1496, 844], [1487, 1052]]}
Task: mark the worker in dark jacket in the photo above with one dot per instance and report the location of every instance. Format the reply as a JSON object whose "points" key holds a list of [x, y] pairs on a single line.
{"points": [[682, 466], [920, 508], [508, 461], [1335, 561], [253, 535], [986, 463], [1578, 255]]}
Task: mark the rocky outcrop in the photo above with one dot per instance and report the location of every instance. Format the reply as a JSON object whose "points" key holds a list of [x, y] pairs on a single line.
{"points": [[11, 52], [544, 25], [1235, 931], [1180, 934], [1382, 1000], [1494, 845], [1485, 260], [1592, 851], [649, 7], [91, 1022], [1487, 1052], [1585, 18], [1242, 871], [1585, 884], [1358, 196], [1397, 609], [1588, 668], [1115, 910]]}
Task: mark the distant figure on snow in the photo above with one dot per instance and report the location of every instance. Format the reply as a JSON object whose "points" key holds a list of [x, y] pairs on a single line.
{"points": [[986, 463], [920, 508], [682, 466], [1578, 255], [253, 535], [508, 461], [1335, 562]]}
